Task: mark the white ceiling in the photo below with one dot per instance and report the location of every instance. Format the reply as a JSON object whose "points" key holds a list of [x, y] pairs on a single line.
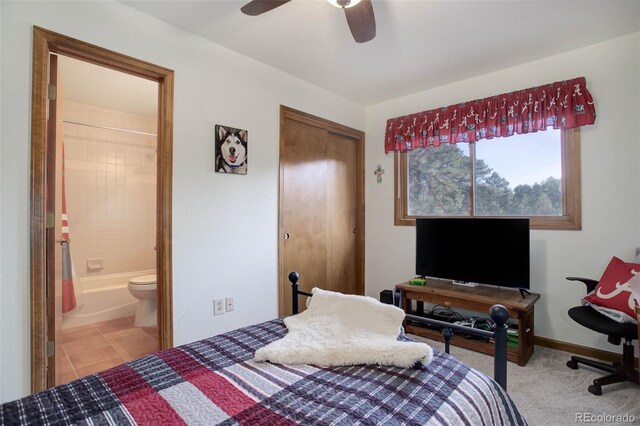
{"points": [[420, 44], [90, 84]]}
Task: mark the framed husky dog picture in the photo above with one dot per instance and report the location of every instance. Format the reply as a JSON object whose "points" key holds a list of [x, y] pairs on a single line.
{"points": [[231, 150]]}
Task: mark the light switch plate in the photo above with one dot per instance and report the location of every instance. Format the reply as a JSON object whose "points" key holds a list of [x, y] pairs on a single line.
{"points": [[230, 306]]}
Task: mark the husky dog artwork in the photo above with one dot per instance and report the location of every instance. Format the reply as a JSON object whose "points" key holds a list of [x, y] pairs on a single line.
{"points": [[231, 150]]}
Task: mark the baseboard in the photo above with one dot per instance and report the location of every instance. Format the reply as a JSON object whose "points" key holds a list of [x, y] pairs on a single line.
{"points": [[578, 349]]}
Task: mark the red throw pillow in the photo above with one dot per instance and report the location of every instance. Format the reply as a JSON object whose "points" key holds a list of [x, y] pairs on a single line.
{"points": [[613, 291]]}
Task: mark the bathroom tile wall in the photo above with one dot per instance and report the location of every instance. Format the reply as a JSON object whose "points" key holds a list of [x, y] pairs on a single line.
{"points": [[110, 180]]}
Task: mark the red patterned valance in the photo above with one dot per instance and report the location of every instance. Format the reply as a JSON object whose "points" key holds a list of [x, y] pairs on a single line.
{"points": [[564, 104]]}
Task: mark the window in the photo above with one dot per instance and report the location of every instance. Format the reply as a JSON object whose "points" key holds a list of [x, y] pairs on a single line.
{"points": [[535, 175]]}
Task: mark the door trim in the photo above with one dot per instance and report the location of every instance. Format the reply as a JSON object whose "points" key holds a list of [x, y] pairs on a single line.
{"points": [[44, 43], [359, 137]]}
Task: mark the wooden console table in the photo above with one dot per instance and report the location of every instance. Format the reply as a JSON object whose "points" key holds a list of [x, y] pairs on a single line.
{"points": [[478, 299]]}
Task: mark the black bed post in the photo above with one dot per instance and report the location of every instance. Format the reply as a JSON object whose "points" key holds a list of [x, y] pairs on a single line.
{"points": [[447, 333], [294, 277], [500, 315]]}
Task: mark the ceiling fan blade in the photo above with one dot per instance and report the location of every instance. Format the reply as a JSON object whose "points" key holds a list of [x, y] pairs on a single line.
{"points": [[258, 7], [361, 20]]}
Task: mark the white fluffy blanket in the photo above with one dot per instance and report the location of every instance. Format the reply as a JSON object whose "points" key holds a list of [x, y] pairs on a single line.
{"points": [[338, 329]]}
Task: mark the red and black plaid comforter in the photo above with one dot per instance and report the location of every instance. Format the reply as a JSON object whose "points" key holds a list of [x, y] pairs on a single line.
{"points": [[214, 381]]}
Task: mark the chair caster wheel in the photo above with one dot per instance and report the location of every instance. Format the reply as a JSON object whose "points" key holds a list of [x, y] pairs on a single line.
{"points": [[595, 389], [572, 364]]}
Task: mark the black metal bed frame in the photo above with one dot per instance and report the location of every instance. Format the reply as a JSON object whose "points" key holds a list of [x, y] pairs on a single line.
{"points": [[498, 313]]}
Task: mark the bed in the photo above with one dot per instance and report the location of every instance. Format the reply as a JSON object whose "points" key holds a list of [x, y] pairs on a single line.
{"points": [[216, 381]]}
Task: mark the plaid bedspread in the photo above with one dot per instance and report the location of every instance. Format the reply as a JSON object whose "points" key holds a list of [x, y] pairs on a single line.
{"points": [[214, 381]]}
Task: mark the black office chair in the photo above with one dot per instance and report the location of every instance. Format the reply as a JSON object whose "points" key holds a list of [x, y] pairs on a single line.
{"points": [[594, 320]]}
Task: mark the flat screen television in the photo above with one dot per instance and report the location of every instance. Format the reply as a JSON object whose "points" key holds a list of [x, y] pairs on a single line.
{"points": [[491, 251]]}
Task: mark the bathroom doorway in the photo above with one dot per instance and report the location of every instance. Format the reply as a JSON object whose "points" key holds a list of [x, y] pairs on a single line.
{"points": [[101, 209], [106, 175]]}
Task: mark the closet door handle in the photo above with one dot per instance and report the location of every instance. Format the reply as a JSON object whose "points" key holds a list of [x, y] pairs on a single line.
{"points": [[286, 236]]}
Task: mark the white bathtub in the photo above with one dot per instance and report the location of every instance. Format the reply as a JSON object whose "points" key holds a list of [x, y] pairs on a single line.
{"points": [[102, 298]]}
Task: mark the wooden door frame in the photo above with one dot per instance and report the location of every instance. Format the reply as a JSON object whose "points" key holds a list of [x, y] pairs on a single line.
{"points": [[359, 137], [44, 43]]}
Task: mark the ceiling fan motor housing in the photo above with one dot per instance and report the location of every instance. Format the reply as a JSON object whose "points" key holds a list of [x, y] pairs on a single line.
{"points": [[359, 14]]}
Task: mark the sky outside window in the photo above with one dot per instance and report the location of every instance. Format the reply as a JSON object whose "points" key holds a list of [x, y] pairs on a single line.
{"points": [[523, 159]]}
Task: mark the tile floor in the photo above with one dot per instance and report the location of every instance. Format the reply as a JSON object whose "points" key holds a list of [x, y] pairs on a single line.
{"points": [[96, 347]]}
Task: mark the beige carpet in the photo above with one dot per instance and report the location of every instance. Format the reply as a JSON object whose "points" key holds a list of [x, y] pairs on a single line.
{"points": [[548, 393]]}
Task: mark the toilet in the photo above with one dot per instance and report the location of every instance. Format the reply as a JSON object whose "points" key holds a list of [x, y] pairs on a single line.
{"points": [[143, 288]]}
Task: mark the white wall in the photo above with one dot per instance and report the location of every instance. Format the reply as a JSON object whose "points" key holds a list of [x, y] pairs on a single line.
{"points": [[610, 181], [224, 226]]}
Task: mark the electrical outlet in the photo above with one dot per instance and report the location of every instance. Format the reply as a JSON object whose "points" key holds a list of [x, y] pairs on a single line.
{"points": [[218, 306], [230, 305]]}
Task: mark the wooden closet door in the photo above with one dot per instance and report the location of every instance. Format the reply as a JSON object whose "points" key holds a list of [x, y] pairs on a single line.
{"points": [[303, 207], [321, 206], [341, 213]]}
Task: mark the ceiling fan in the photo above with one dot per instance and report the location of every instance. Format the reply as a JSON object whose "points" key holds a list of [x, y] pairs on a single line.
{"points": [[359, 14]]}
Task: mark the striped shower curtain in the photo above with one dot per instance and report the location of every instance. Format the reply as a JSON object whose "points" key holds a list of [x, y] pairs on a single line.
{"points": [[68, 293]]}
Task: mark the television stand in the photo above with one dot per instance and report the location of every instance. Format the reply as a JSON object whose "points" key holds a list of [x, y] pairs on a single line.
{"points": [[477, 299], [465, 283], [523, 292]]}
